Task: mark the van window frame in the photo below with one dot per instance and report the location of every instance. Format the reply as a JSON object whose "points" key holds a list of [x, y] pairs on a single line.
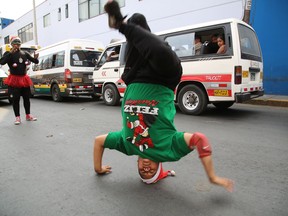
{"points": [[223, 28]]}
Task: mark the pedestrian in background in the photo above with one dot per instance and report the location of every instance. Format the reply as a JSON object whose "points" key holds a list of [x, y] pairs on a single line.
{"points": [[18, 81]]}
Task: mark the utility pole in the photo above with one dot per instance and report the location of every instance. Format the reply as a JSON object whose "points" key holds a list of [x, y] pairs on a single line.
{"points": [[35, 24], [247, 10]]}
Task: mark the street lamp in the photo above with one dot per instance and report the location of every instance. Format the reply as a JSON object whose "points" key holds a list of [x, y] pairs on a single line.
{"points": [[35, 24]]}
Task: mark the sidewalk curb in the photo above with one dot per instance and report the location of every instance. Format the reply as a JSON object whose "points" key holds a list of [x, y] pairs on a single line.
{"points": [[269, 102]]}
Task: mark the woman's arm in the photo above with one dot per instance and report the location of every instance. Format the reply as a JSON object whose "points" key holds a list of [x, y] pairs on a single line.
{"points": [[34, 60], [5, 59]]}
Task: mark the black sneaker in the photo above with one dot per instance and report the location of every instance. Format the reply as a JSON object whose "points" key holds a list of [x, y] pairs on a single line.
{"points": [[115, 17]]}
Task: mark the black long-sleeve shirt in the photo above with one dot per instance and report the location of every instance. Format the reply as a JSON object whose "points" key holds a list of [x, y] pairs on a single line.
{"points": [[149, 59], [20, 58]]}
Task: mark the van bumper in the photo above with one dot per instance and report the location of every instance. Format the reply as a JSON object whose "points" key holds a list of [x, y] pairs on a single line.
{"points": [[79, 91], [242, 97]]}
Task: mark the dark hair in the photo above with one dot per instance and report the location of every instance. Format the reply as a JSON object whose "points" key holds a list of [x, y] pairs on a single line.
{"points": [[221, 37]]}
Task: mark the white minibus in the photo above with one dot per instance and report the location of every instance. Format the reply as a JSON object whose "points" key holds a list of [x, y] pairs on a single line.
{"points": [[209, 76], [65, 69]]}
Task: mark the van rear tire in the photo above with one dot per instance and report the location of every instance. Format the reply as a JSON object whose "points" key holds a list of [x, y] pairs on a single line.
{"points": [[55, 92], [111, 95]]}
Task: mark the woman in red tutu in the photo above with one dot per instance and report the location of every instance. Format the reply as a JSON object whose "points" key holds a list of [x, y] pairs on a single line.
{"points": [[18, 81]]}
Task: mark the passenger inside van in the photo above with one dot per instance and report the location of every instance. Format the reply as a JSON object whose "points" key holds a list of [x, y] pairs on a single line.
{"points": [[198, 45], [114, 55], [213, 45], [221, 43]]}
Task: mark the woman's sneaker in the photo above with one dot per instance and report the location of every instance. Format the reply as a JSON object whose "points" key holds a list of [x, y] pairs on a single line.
{"points": [[29, 117], [17, 121]]}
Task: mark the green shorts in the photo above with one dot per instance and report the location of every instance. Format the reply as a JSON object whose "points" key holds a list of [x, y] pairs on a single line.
{"points": [[148, 128]]}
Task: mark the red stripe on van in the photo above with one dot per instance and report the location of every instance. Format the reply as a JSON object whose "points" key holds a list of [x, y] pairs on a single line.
{"points": [[208, 78]]}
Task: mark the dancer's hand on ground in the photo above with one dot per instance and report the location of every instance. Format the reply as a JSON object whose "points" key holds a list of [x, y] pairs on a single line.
{"points": [[228, 184], [104, 170]]}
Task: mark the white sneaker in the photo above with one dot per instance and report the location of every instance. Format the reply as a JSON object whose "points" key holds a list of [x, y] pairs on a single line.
{"points": [[17, 121]]}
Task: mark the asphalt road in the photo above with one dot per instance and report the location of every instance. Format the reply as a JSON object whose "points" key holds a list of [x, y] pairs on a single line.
{"points": [[46, 166]]}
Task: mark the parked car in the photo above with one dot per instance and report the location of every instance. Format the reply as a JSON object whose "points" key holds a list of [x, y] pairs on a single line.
{"points": [[3, 88]]}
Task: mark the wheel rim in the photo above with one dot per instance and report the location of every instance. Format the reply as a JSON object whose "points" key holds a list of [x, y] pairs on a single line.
{"points": [[190, 100], [108, 95]]}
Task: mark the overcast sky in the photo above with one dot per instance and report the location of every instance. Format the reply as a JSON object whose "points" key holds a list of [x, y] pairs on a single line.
{"points": [[14, 9]]}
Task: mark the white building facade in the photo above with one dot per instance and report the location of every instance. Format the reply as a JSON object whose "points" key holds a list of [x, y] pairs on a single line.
{"points": [[57, 20]]}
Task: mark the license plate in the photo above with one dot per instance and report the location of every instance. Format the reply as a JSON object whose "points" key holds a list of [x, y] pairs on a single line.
{"points": [[221, 93], [245, 74], [77, 79], [90, 76], [252, 76]]}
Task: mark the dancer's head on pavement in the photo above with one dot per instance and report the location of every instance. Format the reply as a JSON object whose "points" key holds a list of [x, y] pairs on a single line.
{"points": [[151, 172]]}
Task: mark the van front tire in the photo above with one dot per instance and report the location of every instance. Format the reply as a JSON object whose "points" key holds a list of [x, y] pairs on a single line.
{"points": [[55, 92], [111, 95], [192, 100]]}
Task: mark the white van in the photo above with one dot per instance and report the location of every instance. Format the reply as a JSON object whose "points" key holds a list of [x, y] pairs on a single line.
{"points": [[66, 68], [208, 77]]}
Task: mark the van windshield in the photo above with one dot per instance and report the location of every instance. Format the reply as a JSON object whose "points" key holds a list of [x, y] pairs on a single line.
{"points": [[83, 58], [250, 48]]}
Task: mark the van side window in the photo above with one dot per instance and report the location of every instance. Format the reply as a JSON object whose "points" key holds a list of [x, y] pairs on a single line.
{"points": [[209, 40], [40, 64], [59, 59], [47, 63], [36, 67], [182, 44], [110, 54]]}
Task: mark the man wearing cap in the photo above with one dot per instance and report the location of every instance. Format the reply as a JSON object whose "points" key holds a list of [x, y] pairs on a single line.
{"points": [[18, 81], [152, 72]]}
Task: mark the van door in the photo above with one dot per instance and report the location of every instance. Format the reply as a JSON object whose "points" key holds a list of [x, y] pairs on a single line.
{"points": [[251, 62]]}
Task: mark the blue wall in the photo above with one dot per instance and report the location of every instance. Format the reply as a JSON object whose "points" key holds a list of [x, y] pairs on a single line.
{"points": [[270, 20]]}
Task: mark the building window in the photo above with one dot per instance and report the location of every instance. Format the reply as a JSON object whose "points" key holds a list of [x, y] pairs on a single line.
{"points": [[66, 11], [46, 20], [26, 33], [91, 8], [59, 14]]}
